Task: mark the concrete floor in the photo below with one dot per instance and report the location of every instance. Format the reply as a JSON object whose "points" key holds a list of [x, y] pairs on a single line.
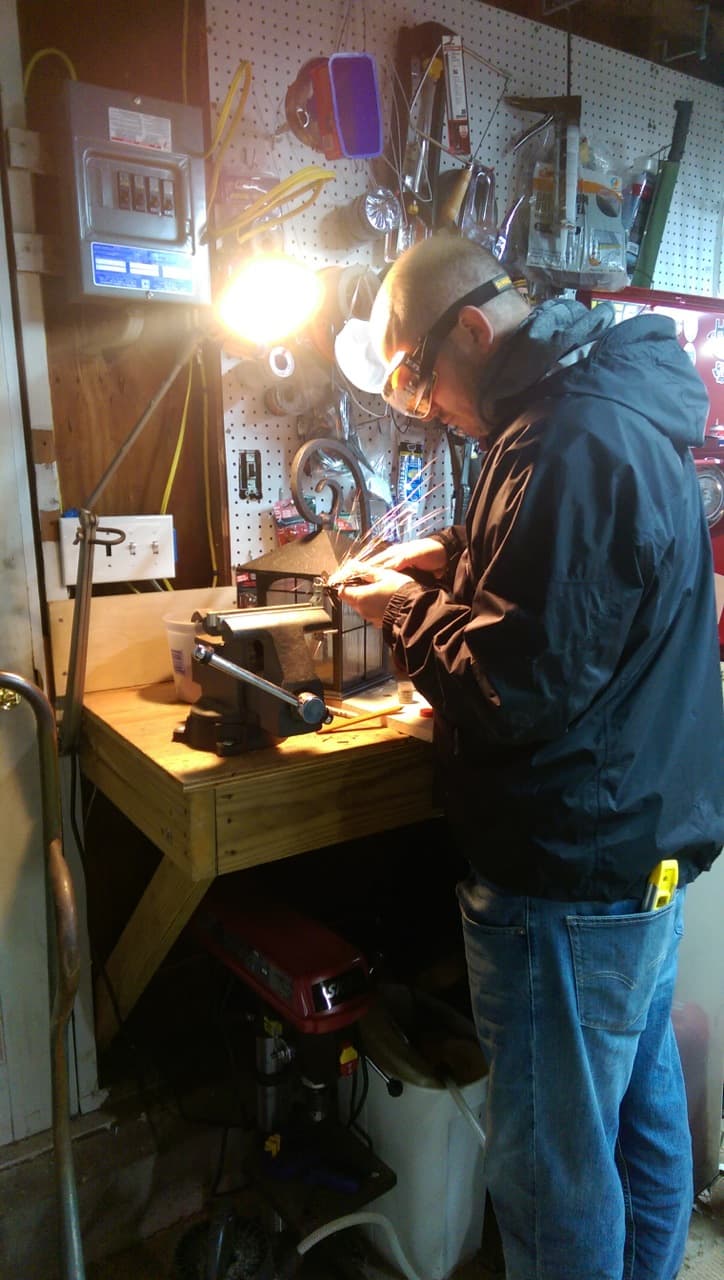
{"points": [[153, 1259], [146, 1177]]}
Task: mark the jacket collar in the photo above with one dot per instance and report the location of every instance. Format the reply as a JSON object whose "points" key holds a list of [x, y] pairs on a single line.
{"points": [[550, 334]]}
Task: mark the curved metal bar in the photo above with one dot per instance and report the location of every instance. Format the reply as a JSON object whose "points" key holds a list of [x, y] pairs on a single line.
{"points": [[335, 448], [328, 483], [63, 968]]}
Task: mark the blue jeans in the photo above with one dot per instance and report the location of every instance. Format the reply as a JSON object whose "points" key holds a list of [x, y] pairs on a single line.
{"points": [[588, 1150]]}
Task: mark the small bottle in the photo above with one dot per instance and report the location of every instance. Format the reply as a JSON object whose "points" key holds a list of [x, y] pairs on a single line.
{"points": [[637, 200], [405, 693]]}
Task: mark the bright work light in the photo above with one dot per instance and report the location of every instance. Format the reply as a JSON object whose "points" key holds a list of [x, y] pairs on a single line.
{"points": [[269, 299]]}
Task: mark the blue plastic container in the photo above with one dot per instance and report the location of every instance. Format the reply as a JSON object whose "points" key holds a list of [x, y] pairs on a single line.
{"points": [[356, 104]]}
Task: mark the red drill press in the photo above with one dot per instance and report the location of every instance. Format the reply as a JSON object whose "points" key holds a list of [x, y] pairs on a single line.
{"points": [[311, 988]]}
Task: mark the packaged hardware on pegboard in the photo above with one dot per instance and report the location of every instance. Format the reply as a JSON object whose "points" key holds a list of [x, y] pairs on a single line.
{"points": [[245, 589], [575, 236], [288, 524], [592, 250]]}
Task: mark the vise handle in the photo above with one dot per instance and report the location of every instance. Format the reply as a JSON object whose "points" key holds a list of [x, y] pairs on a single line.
{"points": [[309, 706]]}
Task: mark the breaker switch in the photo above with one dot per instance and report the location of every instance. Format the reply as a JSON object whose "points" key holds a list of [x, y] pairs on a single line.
{"points": [[168, 206], [154, 195], [139, 192], [133, 199], [124, 189], [250, 474]]}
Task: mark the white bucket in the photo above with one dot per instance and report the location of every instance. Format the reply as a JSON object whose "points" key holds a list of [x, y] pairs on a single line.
{"points": [[181, 634], [438, 1204]]}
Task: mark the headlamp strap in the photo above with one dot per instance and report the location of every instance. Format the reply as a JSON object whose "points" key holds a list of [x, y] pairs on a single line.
{"points": [[475, 298]]}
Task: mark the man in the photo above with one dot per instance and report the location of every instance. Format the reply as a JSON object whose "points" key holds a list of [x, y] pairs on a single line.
{"points": [[566, 639]]}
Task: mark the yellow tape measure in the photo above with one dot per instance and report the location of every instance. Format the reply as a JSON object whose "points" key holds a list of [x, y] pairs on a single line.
{"points": [[661, 885]]}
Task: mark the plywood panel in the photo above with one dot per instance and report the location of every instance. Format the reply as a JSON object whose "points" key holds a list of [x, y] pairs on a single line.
{"points": [[127, 642]]}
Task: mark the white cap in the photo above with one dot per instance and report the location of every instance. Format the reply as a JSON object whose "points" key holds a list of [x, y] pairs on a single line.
{"points": [[357, 358]]}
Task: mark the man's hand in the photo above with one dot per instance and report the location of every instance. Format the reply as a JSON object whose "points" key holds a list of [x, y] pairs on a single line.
{"points": [[426, 554], [370, 598]]}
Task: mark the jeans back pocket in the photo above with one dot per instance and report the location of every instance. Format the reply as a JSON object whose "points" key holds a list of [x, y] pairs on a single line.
{"points": [[617, 963]]}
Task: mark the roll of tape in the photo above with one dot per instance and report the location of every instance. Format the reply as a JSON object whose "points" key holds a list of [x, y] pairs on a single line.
{"points": [[277, 364]]}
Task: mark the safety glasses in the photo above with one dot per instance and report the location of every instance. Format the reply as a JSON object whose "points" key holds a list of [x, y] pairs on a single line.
{"points": [[411, 377]]}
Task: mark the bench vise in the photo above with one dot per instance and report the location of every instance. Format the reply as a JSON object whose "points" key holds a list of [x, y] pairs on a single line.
{"points": [[257, 677]]}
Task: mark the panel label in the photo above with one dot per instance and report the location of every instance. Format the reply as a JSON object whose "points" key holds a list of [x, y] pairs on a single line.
{"points": [[126, 266], [139, 129]]}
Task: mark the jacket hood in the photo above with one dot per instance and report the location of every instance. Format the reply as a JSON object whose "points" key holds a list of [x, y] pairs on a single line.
{"points": [[637, 364]]}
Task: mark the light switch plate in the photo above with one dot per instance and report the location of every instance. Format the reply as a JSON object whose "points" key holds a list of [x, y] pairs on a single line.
{"points": [[147, 549]]}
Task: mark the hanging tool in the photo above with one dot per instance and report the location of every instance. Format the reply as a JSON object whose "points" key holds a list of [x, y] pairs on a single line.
{"points": [[661, 200], [420, 113], [467, 203], [63, 967]]}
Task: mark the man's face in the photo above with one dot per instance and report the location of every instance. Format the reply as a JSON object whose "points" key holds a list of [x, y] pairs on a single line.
{"points": [[434, 374], [455, 391], [444, 389]]}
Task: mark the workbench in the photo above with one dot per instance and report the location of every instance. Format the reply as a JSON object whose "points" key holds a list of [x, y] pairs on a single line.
{"points": [[210, 815]]}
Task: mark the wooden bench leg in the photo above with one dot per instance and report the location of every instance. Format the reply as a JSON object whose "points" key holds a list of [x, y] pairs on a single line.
{"points": [[165, 907]]}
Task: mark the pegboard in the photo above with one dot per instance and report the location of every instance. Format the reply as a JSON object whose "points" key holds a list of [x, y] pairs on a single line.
{"points": [[628, 106], [628, 109]]}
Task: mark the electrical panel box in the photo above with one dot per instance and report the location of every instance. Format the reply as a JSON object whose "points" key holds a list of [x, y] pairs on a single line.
{"points": [[134, 195]]}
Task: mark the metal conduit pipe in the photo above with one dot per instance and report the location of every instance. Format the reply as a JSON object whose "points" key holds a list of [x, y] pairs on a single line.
{"points": [[63, 968]]}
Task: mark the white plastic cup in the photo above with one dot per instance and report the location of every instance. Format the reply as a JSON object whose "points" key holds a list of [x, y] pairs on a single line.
{"points": [[181, 634]]}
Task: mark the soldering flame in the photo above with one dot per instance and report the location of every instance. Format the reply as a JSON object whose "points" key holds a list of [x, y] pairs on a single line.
{"points": [[271, 298]]}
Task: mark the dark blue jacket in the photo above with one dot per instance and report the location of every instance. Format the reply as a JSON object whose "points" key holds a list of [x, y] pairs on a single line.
{"points": [[571, 656]]}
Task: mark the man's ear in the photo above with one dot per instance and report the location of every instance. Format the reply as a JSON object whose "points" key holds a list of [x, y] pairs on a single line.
{"points": [[477, 326]]}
